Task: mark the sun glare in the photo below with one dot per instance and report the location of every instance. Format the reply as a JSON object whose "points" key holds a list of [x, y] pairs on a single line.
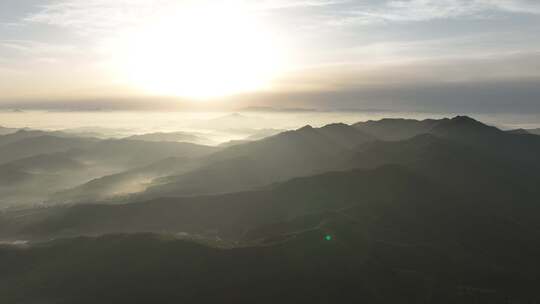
{"points": [[201, 52]]}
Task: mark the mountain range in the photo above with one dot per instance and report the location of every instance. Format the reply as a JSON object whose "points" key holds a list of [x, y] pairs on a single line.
{"points": [[432, 211]]}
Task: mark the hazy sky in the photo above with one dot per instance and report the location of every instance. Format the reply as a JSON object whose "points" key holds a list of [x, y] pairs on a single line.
{"points": [[433, 55]]}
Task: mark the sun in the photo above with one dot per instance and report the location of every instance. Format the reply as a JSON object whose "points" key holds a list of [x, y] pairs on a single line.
{"points": [[201, 52]]}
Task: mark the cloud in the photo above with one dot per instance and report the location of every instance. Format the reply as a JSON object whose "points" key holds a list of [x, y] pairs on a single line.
{"points": [[425, 10], [102, 17], [93, 16], [34, 47], [464, 70], [361, 55], [280, 4], [517, 6], [483, 96], [27, 53], [98, 16], [421, 10]]}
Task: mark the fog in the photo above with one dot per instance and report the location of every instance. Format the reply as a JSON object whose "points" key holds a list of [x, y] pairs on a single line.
{"points": [[213, 128]]}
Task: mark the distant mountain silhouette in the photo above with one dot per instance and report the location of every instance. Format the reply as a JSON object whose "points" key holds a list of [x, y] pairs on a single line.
{"points": [[41, 164], [170, 137], [400, 129], [19, 135], [263, 133], [47, 163], [490, 139], [133, 165], [229, 215], [27, 145], [396, 128], [234, 142], [29, 181], [464, 167], [462, 129], [465, 128], [289, 154], [96, 132], [256, 135], [470, 146], [110, 187], [129, 154], [235, 121]]}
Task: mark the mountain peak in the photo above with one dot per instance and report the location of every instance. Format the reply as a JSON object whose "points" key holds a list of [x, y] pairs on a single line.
{"points": [[395, 128], [464, 119], [337, 125], [306, 128], [464, 126]]}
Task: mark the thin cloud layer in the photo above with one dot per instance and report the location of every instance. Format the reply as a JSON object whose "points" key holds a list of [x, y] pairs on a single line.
{"points": [[332, 44], [423, 10], [97, 15]]}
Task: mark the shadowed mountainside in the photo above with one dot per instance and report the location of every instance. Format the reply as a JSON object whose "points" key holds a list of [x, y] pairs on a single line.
{"points": [[241, 167], [290, 154], [395, 129], [35, 165], [346, 258], [228, 215], [310, 150], [441, 211]]}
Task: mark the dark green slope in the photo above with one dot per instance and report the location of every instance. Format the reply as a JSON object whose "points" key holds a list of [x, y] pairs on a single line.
{"points": [[147, 269], [395, 129], [446, 217], [350, 267], [290, 154], [228, 215], [20, 135], [34, 146], [115, 187], [134, 153], [242, 167], [467, 168], [460, 129]]}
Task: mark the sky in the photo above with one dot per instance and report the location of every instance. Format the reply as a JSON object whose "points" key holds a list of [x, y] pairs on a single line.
{"points": [[403, 55]]}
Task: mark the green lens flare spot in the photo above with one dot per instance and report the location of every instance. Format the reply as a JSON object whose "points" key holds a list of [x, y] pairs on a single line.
{"points": [[328, 237]]}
